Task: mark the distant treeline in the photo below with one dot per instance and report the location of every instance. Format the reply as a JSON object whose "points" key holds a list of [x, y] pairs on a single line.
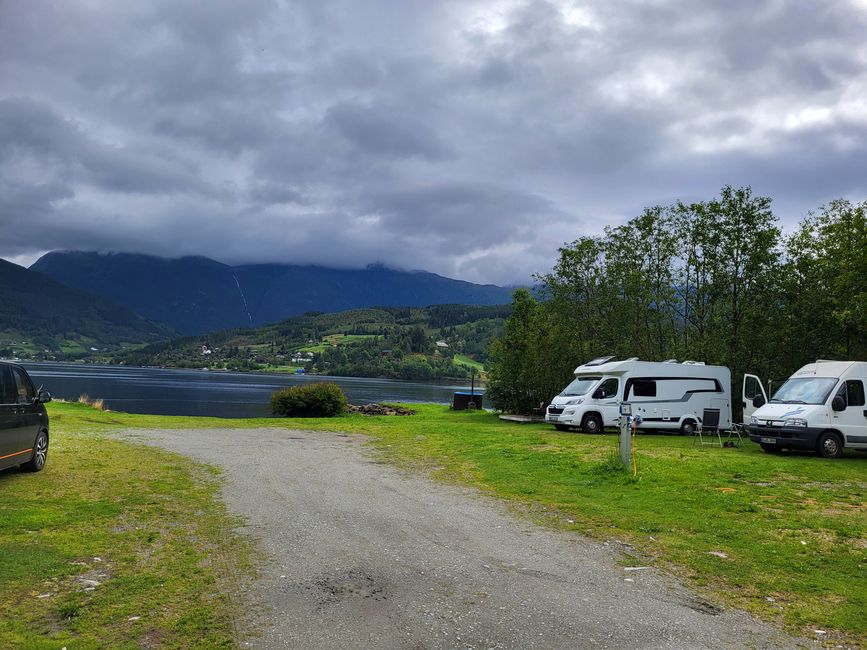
{"points": [[713, 281]]}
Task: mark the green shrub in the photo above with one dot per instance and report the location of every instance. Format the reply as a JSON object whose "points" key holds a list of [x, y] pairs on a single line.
{"points": [[310, 401]]}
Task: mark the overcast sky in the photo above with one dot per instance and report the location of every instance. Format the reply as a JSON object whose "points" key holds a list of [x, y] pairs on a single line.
{"points": [[469, 138]]}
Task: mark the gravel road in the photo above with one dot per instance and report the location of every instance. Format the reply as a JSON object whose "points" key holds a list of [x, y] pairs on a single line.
{"points": [[362, 555]]}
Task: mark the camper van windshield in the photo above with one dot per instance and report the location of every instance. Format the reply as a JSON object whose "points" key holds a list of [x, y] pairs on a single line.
{"points": [[805, 390], [580, 386]]}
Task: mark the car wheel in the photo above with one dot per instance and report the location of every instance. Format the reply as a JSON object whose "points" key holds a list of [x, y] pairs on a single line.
{"points": [[562, 427], [688, 427], [40, 454], [591, 424], [829, 445], [771, 449]]}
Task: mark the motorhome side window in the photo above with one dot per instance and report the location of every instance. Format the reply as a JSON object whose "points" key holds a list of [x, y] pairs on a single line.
{"points": [[643, 388], [854, 392], [608, 388]]}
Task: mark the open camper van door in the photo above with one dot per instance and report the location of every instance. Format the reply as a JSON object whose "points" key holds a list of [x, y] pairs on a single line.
{"points": [[752, 388]]}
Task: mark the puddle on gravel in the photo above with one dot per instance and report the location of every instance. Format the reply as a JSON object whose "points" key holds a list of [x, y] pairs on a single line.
{"points": [[352, 585]]}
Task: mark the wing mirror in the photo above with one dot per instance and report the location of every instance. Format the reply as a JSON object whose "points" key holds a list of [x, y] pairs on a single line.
{"points": [[599, 393], [758, 401], [838, 403], [43, 397]]}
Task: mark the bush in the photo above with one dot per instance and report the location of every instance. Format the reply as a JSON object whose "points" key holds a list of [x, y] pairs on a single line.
{"points": [[310, 401]]}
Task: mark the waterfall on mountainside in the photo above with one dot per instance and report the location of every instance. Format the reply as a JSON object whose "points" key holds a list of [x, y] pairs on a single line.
{"points": [[244, 299]]}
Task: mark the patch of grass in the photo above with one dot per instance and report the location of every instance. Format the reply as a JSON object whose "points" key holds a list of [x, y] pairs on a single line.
{"points": [[464, 360], [115, 545], [783, 536]]}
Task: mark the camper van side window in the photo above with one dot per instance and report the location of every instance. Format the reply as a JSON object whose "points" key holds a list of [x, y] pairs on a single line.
{"points": [[751, 388], [643, 388], [854, 392]]}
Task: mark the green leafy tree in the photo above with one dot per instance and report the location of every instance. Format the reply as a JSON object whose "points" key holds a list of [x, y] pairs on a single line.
{"points": [[523, 363], [826, 283]]}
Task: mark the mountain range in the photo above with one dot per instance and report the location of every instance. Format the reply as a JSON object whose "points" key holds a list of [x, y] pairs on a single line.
{"points": [[37, 312], [194, 295]]}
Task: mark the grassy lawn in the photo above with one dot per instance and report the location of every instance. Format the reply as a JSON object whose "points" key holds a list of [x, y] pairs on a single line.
{"points": [[115, 545], [782, 536], [287, 369], [472, 363]]}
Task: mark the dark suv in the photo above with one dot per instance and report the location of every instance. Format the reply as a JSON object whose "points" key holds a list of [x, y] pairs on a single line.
{"points": [[23, 420]]}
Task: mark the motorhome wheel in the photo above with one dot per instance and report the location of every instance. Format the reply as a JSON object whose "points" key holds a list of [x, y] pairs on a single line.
{"points": [[829, 445], [591, 424], [688, 427]]}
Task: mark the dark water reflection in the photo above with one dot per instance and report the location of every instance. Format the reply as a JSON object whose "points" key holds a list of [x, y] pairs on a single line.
{"points": [[159, 391]]}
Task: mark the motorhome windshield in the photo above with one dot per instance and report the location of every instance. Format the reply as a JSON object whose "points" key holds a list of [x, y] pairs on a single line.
{"points": [[580, 386], [805, 390]]}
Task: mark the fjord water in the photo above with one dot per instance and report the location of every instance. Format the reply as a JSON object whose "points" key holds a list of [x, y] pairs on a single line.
{"points": [[163, 391]]}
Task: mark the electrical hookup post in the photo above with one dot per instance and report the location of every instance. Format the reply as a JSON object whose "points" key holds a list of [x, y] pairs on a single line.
{"points": [[628, 424]]}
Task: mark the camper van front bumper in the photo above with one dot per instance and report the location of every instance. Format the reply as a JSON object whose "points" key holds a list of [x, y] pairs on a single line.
{"points": [[785, 437]]}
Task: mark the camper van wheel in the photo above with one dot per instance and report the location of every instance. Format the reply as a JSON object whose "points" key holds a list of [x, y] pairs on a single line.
{"points": [[591, 424], [688, 427], [829, 445]]}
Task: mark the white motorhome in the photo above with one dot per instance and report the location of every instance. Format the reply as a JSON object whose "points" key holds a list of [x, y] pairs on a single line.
{"points": [[820, 408], [666, 394]]}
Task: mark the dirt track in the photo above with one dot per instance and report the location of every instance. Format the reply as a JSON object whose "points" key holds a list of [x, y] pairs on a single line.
{"points": [[364, 556]]}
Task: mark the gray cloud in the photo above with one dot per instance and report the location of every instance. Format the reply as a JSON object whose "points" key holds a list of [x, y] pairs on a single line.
{"points": [[468, 137]]}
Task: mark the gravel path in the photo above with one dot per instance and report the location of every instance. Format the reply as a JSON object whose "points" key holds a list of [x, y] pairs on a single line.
{"points": [[364, 556]]}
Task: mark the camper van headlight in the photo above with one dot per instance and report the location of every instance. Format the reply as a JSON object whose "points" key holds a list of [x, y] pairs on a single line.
{"points": [[796, 422], [754, 419], [573, 402]]}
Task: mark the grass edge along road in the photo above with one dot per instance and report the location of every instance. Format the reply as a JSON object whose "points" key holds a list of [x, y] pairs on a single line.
{"points": [[784, 537], [117, 545]]}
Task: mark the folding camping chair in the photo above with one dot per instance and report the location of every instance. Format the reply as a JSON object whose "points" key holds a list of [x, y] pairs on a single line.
{"points": [[708, 428], [735, 432]]}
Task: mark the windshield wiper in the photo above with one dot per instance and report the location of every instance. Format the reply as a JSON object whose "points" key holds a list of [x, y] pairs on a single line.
{"points": [[794, 401]]}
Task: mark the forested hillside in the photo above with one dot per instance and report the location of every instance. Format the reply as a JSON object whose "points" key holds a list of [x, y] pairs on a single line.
{"points": [[713, 281], [442, 341], [42, 318]]}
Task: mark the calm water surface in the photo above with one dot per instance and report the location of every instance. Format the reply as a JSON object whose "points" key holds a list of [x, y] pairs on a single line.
{"points": [[160, 391]]}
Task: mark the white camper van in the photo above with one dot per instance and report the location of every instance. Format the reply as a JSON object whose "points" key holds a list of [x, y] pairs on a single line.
{"points": [[820, 408], [667, 395]]}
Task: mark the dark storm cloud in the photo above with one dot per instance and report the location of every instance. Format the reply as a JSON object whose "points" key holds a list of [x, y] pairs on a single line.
{"points": [[466, 137], [384, 131]]}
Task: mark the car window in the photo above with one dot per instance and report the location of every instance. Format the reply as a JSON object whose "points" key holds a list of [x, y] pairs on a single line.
{"points": [[24, 389], [8, 389]]}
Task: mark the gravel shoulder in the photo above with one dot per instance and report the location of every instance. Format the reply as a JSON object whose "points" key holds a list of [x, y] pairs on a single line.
{"points": [[362, 555]]}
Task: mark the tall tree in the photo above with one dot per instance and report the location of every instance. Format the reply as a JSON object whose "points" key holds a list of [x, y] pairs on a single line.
{"points": [[826, 284]]}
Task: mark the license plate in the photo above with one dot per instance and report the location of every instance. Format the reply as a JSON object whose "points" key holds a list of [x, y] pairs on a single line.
{"points": [[553, 418], [768, 441]]}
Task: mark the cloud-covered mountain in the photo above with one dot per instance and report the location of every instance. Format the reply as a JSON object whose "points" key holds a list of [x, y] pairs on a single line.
{"points": [[197, 294]]}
